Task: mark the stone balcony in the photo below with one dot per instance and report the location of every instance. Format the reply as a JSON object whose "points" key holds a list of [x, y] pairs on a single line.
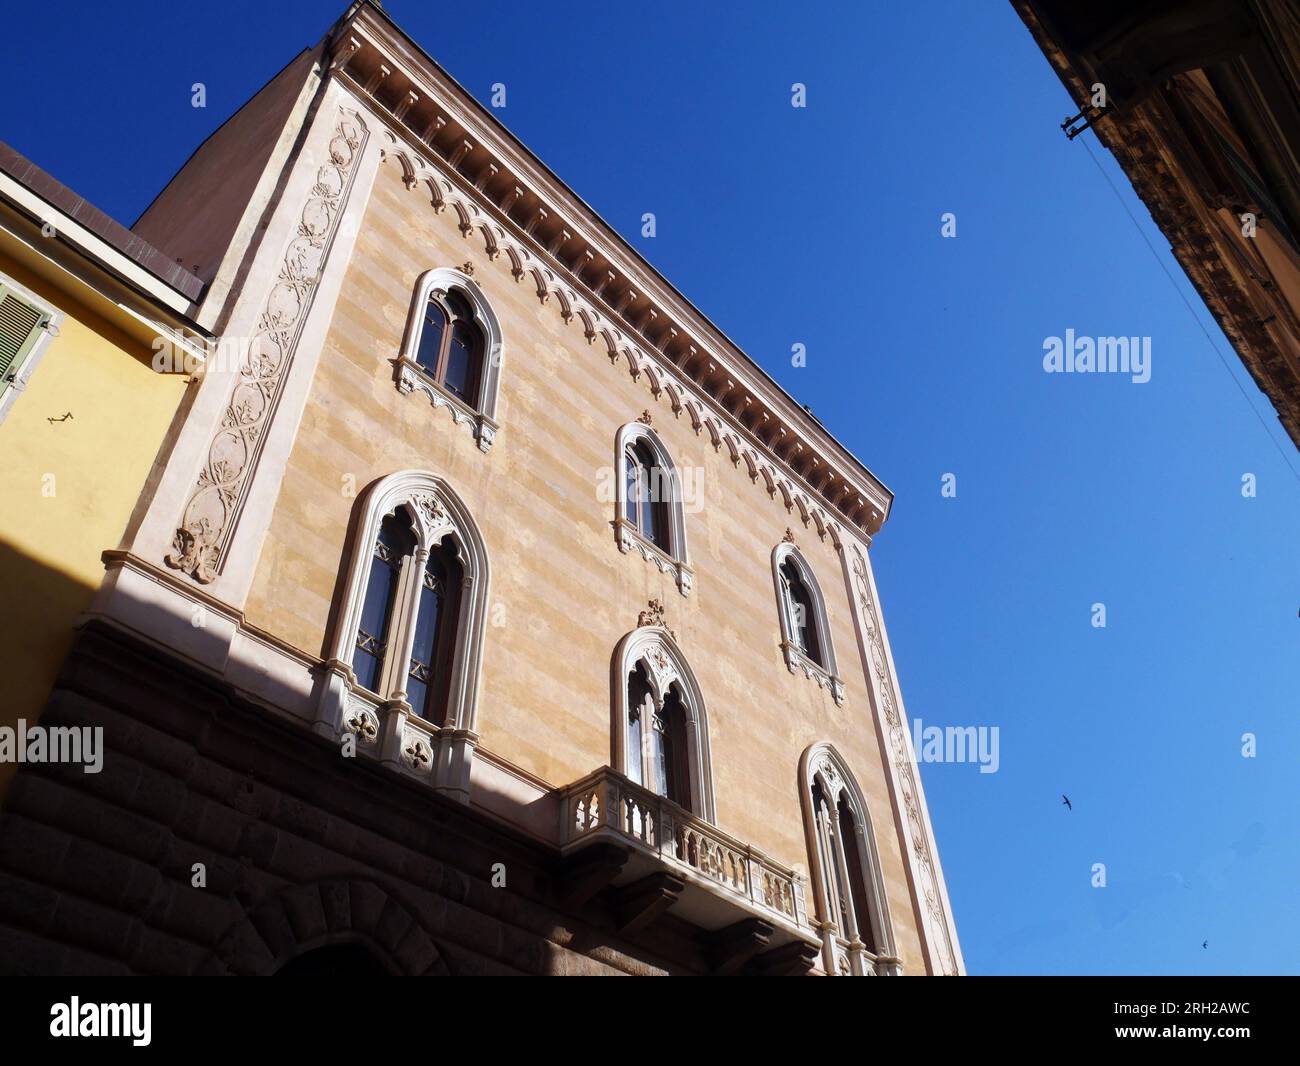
{"points": [[651, 857]]}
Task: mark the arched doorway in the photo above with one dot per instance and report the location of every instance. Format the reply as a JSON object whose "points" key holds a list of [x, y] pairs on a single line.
{"points": [[351, 959]]}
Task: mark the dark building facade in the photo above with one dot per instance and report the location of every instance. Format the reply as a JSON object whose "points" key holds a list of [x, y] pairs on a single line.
{"points": [[1202, 112]]}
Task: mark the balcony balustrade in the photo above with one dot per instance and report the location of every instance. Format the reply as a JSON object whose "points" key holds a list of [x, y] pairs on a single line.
{"points": [[705, 876]]}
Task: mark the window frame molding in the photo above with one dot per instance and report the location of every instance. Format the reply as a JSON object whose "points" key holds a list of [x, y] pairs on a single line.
{"points": [[383, 724], [665, 665], [822, 763], [412, 377], [628, 537], [19, 376], [796, 659]]}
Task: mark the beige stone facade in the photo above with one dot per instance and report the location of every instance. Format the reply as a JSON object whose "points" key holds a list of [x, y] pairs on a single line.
{"points": [[563, 591]]}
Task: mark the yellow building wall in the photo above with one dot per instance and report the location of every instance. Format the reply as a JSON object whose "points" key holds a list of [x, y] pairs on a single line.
{"points": [[68, 488]]}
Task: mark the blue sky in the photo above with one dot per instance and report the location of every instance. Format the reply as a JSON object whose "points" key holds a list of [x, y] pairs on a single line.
{"points": [[821, 226]]}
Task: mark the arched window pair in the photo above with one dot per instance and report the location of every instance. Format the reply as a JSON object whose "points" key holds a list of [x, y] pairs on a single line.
{"points": [[412, 595], [403, 674], [847, 886], [805, 628], [647, 494], [453, 351], [451, 344], [650, 514], [656, 738], [661, 736]]}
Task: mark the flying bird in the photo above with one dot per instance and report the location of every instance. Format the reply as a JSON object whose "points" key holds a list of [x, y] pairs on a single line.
{"points": [[1205, 944], [1066, 800]]}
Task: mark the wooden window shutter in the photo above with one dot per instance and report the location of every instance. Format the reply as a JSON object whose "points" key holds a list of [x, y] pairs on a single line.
{"points": [[20, 328]]}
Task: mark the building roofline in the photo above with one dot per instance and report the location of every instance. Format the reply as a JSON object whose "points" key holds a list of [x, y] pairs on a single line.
{"points": [[111, 232], [365, 15]]}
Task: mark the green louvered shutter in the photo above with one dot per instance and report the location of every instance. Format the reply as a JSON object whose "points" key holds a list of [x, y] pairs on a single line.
{"points": [[20, 328]]}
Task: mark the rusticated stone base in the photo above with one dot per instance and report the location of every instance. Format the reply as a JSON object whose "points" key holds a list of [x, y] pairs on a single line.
{"points": [[302, 848]]}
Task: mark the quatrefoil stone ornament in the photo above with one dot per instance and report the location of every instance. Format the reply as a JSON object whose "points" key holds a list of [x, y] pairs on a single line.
{"points": [[432, 510], [416, 755], [364, 725]]}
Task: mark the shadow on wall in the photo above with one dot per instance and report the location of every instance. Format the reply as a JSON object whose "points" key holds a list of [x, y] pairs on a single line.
{"points": [[38, 607], [216, 838]]}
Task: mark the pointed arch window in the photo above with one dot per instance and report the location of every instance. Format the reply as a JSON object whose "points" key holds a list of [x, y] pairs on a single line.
{"points": [[803, 621], [411, 630], [451, 344], [847, 885], [805, 627], [660, 736], [648, 495], [649, 513], [395, 543], [411, 594], [453, 351], [431, 651]]}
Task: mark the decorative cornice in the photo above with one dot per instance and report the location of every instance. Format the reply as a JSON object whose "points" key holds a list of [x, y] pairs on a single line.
{"points": [[501, 193], [1141, 137], [117, 558]]}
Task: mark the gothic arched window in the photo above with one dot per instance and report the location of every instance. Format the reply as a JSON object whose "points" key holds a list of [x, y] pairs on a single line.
{"points": [[412, 592], [650, 503], [847, 885], [395, 543], [431, 651], [452, 351], [451, 346], [803, 619], [648, 495], [660, 737], [805, 627], [411, 629]]}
